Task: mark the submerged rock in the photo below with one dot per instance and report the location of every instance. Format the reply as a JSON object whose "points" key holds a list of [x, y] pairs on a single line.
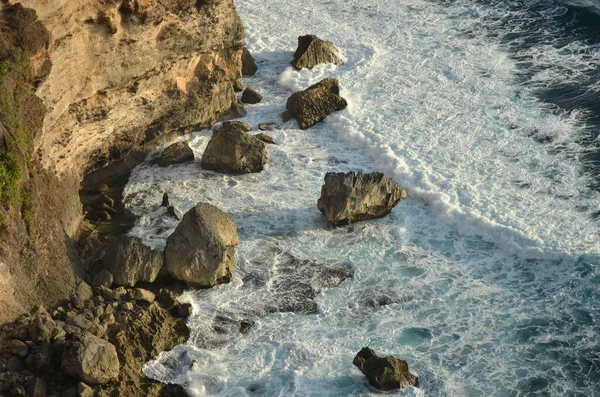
{"points": [[177, 153], [316, 102], [130, 262], [385, 373], [348, 198], [91, 359], [201, 250], [249, 67], [232, 150], [251, 96], [313, 51]]}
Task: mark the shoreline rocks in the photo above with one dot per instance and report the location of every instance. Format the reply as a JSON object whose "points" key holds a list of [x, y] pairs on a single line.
{"points": [[387, 373], [313, 51], [316, 102], [130, 261], [177, 153], [249, 67], [201, 250], [233, 150], [251, 96], [349, 197]]}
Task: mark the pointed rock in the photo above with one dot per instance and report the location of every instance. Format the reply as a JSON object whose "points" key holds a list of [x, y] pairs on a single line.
{"points": [[316, 102], [249, 67], [386, 373], [313, 51]]}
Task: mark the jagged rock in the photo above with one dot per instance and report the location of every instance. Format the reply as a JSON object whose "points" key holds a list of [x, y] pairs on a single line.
{"points": [[177, 153], [18, 348], [251, 96], [238, 86], [143, 295], [386, 373], [103, 278], [172, 212], [232, 150], [111, 294], [348, 198], [165, 200], [316, 102], [265, 138], [42, 327], [184, 310], [127, 306], [130, 262], [91, 359], [79, 321], [249, 67], [313, 51], [84, 390], [201, 249]]}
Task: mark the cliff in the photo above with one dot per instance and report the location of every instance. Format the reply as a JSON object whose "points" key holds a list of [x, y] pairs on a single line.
{"points": [[88, 87]]}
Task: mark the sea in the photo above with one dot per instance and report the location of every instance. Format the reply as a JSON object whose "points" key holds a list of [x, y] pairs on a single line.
{"points": [[485, 279]]}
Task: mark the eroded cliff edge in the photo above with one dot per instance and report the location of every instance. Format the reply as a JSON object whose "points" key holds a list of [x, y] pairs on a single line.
{"points": [[90, 86]]}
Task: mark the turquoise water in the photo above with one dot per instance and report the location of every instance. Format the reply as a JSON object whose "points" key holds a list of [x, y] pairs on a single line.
{"points": [[485, 279]]}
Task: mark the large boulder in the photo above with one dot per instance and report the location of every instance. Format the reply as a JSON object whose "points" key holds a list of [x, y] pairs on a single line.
{"points": [[386, 373], [251, 96], [316, 102], [130, 262], [313, 51], [177, 153], [249, 67], [348, 198], [201, 249], [232, 150], [91, 359]]}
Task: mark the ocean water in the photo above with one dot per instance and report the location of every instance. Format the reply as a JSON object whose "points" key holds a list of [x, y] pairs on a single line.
{"points": [[485, 279]]}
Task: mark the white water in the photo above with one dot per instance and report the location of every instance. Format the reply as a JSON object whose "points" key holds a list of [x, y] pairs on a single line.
{"points": [[491, 264]]}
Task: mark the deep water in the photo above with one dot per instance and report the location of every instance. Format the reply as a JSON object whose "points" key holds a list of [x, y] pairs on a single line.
{"points": [[485, 279]]}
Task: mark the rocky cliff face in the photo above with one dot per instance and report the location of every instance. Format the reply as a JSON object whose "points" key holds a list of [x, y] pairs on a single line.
{"points": [[86, 85]]}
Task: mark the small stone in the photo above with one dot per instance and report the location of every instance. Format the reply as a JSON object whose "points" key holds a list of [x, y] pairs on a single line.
{"points": [[265, 138], [42, 327], [98, 300], [107, 319], [80, 322], [77, 303], [18, 348], [15, 364], [84, 390], [251, 96], [111, 294], [127, 306], [266, 126], [143, 295], [98, 311], [39, 388], [103, 278], [185, 310]]}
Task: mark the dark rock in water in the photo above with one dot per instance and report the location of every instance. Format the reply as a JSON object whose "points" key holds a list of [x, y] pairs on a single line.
{"points": [[165, 200], [245, 325], [130, 262], [238, 86], [184, 310], [172, 212], [286, 116], [316, 102], [251, 96], [313, 51], [386, 373], [91, 359], [267, 126], [347, 198], [177, 153], [249, 67], [201, 250], [232, 150], [265, 138]]}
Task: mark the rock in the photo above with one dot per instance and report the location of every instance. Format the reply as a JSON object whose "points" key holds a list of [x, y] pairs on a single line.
{"points": [[165, 200], [42, 327], [126, 307], [79, 321], [39, 388], [177, 153], [347, 198], [18, 391], [386, 373], [103, 278], [316, 102], [238, 86], [172, 212], [267, 126], [265, 138], [201, 250], [249, 67], [130, 262], [286, 116], [91, 359], [232, 150], [77, 303], [21, 333], [184, 310], [84, 291], [313, 51], [110, 294], [251, 96], [84, 390], [15, 364], [143, 295], [40, 360], [18, 348]]}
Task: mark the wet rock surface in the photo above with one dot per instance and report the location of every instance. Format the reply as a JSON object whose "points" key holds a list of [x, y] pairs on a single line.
{"points": [[249, 67], [315, 103], [201, 250], [233, 150], [349, 197], [313, 51], [251, 96], [384, 373], [177, 153]]}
